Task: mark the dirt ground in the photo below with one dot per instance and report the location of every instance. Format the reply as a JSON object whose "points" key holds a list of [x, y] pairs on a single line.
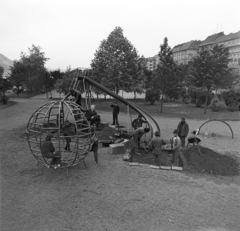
{"points": [[113, 196]]}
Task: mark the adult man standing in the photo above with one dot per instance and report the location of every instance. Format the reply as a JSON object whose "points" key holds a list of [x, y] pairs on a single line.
{"points": [[156, 146], [137, 135], [115, 113], [182, 130]]}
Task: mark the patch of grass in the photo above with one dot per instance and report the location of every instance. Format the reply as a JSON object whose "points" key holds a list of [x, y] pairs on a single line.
{"points": [[9, 104], [170, 110], [23, 95]]}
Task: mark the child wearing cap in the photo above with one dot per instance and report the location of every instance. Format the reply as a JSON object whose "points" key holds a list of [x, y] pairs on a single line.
{"points": [[156, 146]]}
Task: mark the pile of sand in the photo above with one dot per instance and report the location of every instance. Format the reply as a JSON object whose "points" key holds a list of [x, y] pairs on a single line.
{"points": [[211, 162]]}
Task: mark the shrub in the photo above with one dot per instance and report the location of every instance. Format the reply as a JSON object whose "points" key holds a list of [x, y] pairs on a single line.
{"points": [[152, 96], [232, 100], [217, 104], [186, 98], [3, 98], [198, 96]]}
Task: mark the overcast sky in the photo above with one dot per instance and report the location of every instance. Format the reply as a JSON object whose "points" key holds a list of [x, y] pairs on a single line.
{"points": [[70, 31]]}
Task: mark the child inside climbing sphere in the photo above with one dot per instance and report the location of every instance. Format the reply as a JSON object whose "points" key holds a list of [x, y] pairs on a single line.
{"points": [[48, 151], [92, 116], [67, 132], [94, 148]]}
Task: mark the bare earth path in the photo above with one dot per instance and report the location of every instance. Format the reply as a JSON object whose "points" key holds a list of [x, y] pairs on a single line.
{"points": [[112, 195]]}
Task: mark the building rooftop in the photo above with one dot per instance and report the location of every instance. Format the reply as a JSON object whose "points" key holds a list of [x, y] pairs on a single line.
{"points": [[228, 37], [210, 39], [192, 45]]}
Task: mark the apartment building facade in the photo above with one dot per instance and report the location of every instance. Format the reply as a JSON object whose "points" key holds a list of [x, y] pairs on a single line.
{"points": [[232, 41], [152, 63], [184, 52]]}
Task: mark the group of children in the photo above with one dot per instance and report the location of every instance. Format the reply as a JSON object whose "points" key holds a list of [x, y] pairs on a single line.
{"points": [[67, 129], [157, 144]]}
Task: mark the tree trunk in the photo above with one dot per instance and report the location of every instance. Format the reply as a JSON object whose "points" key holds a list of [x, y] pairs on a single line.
{"points": [[51, 93], [161, 105], [205, 107], [135, 95]]}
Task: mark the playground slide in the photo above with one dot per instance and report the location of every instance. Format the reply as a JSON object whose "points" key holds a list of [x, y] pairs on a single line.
{"points": [[152, 123]]}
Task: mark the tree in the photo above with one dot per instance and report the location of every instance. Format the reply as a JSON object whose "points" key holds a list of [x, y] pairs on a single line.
{"points": [[62, 85], [139, 82], [152, 95], [209, 70], [1, 71], [18, 76], [4, 86], [116, 64], [52, 78], [166, 78], [34, 63]]}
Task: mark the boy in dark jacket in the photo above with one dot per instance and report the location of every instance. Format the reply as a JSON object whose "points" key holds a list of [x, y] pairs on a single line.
{"points": [[138, 122], [115, 113], [68, 130], [92, 116]]}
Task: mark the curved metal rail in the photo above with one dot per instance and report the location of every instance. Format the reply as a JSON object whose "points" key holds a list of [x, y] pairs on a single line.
{"points": [[219, 121]]}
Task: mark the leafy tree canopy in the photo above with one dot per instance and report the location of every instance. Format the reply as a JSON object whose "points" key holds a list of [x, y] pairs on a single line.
{"points": [[34, 63], [166, 78], [116, 64], [209, 70]]}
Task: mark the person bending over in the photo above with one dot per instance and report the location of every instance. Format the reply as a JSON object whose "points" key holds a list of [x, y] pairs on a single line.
{"points": [[137, 135]]}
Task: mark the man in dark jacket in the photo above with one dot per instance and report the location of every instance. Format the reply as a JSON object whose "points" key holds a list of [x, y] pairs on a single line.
{"points": [[92, 116], [137, 123], [182, 130], [115, 113]]}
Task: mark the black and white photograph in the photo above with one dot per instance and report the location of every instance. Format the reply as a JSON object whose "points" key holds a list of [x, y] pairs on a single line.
{"points": [[119, 115]]}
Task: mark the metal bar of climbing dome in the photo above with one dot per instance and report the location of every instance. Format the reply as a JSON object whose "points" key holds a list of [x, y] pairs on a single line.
{"points": [[219, 121], [153, 126]]}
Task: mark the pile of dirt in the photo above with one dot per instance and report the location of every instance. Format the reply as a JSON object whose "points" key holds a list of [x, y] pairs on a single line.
{"points": [[106, 133], [210, 162]]}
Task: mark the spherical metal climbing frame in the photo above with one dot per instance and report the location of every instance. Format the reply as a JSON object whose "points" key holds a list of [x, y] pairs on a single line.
{"points": [[50, 118]]}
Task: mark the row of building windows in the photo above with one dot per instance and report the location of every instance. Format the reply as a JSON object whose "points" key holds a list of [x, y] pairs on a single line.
{"points": [[232, 42], [234, 49]]}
